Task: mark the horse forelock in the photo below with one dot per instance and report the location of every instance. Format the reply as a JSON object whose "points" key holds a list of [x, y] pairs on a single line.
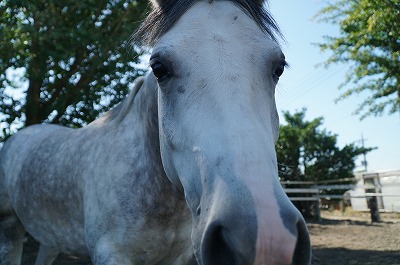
{"points": [[165, 14]]}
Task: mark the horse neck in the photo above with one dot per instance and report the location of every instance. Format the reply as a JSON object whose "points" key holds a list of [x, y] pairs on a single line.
{"points": [[147, 110]]}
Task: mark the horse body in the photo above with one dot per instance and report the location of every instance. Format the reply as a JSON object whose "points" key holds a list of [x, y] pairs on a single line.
{"points": [[183, 171], [113, 190], [39, 183]]}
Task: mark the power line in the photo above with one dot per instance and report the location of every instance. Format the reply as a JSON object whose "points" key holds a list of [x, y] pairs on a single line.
{"points": [[311, 81]]}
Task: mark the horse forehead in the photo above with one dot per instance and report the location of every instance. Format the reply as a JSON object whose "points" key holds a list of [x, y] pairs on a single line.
{"points": [[218, 23]]}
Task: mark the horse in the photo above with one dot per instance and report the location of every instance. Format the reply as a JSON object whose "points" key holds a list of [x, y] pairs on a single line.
{"points": [[182, 171]]}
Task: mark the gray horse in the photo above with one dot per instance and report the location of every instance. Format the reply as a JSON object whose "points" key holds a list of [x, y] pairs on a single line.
{"points": [[183, 171]]}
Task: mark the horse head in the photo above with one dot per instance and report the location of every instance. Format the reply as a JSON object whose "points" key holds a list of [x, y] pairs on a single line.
{"points": [[217, 64]]}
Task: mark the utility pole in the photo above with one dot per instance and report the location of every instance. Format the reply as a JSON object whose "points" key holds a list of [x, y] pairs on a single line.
{"points": [[364, 162], [372, 201]]}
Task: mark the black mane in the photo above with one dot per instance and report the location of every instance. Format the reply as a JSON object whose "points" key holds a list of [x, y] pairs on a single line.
{"points": [[161, 19]]}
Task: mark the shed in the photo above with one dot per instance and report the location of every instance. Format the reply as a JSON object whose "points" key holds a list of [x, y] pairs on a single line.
{"points": [[385, 185]]}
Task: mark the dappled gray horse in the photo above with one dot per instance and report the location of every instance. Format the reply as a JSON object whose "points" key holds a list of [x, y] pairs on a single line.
{"points": [[183, 171]]}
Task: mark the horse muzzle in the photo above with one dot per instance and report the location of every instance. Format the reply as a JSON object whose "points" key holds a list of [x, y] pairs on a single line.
{"points": [[237, 232]]}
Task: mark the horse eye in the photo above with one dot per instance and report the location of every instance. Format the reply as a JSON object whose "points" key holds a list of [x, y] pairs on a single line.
{"points": [[159, 70], [279, 71]]}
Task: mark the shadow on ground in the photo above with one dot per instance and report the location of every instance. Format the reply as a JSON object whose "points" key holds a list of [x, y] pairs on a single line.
{"points": [[342, 256], [325, 221]]}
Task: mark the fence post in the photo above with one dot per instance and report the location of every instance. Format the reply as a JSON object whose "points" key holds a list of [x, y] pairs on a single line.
{"points": [[341, 206], [374, 209], [317, 210], [318, 203]]}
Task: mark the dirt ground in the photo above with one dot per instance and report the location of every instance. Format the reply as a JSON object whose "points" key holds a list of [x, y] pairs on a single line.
{"points": [[345, 239], [339, 239]]}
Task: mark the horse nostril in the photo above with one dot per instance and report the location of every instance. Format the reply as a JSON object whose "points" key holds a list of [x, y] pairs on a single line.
{"points": [[302, 253], [218, 248], [215, 248]]}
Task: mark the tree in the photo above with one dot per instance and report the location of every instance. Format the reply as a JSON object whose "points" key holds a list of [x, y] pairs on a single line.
{"points": [[369, 40], [307, 153], [72, 56]]}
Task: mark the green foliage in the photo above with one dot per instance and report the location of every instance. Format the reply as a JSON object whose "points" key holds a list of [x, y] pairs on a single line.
{"points": [[307, 153], [73, 57], [369, 41]]}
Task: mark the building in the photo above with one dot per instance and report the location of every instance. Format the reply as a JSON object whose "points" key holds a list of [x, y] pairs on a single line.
{"points": [[384, 185]]}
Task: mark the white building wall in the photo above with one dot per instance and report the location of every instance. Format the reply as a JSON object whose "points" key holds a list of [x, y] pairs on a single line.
{"points": [[390, 187], [358, 203]]}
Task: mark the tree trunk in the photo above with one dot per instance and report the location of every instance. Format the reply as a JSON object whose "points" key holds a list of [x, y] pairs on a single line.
{"points": [[32, 107], [36, 73]]}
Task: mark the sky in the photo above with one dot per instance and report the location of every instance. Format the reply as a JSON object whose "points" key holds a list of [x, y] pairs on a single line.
{"points": [[304, 85]]}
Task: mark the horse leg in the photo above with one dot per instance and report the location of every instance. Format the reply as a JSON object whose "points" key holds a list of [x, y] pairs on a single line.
{"points": [[12, 235], [46, 255]]}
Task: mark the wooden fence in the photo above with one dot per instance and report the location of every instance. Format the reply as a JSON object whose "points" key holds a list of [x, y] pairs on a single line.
{"points": [[316, 191]]}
